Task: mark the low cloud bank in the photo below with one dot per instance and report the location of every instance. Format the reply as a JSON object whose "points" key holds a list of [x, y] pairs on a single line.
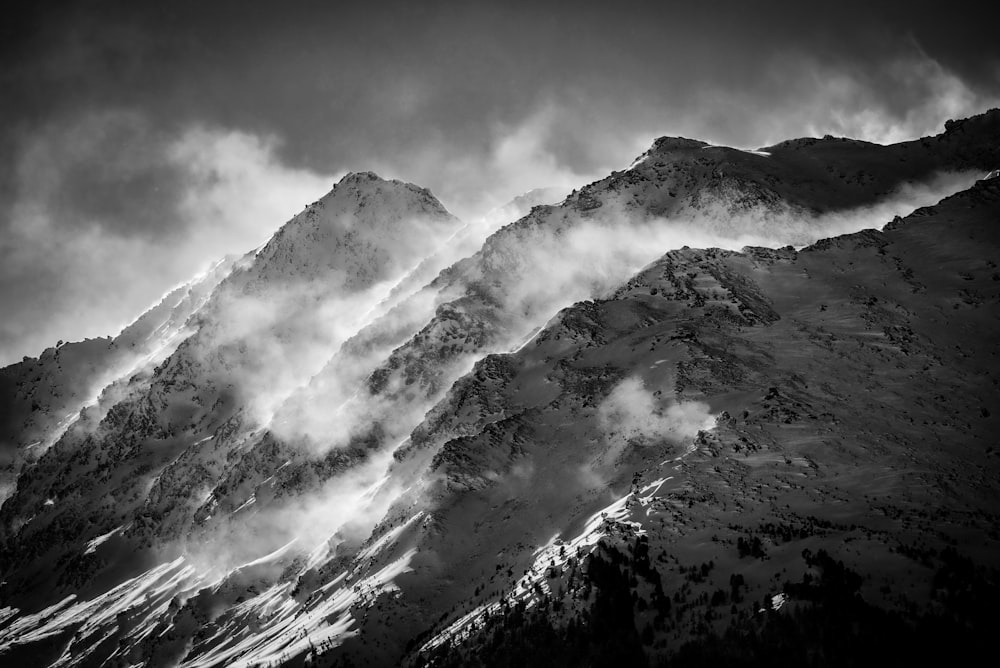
{"points": [[633, 415]]}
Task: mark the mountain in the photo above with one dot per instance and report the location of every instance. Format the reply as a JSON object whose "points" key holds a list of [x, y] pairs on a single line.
{"points": [[745, 431], [43, 397], [267, 323], [378, 439]]}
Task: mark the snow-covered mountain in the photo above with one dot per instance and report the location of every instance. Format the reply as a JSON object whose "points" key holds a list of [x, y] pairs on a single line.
{"points": [[271, 322], [383, 439], [43, 397]]}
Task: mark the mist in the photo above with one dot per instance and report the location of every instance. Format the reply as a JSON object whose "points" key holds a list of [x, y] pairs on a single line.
{"points": [[180, 203], [632, 415]]}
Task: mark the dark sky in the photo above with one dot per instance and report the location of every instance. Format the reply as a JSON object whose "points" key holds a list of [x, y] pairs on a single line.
{"points": [[141, 140]]}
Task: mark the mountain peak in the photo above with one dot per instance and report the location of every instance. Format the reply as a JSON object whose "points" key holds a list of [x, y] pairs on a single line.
{"points": [[987, 119], [363, 227], [674, 143], [365, 182], [360, 177]]}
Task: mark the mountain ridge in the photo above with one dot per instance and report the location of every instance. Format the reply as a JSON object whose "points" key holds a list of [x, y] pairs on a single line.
{"points": [[519, 392]]}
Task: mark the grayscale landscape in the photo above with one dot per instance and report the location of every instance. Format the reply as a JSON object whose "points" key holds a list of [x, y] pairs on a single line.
{"points": [[619, 397]]}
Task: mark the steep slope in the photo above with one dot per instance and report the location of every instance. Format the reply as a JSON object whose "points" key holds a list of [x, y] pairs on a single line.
{"points": [[42, 397], [809, 429]]}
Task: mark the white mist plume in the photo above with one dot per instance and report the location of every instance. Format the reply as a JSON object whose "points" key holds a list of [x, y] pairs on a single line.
{"points": [[267, 345], [594, 256], [314, 524], [200, 194], [632, 415], [938, 95]]}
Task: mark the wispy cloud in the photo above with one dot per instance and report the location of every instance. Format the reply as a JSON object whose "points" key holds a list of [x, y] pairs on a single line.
{"points": [[634, 415], [904, 97], [109, 214]]}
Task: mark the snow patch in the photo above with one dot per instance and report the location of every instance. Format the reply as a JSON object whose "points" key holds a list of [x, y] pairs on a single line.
{"points": [[288, 629], [638, 161], [763, 154], [91, 620], [551, 556], [245, 504], [389, 538], [272, 556], [100, 540]]}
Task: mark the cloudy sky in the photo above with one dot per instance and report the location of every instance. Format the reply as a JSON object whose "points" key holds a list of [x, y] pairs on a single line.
{"points": [[140, 141]]}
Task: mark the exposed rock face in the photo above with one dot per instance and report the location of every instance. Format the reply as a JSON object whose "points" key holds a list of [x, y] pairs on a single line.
{"points": [[358, 448]]}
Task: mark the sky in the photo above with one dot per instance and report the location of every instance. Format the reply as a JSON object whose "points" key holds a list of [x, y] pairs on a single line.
{"points": [[139, 142]]}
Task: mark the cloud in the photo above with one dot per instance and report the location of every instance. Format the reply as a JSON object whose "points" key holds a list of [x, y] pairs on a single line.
{"points": [[237, 186], [344, 508], [106, 171], [715, 224], [540, 149], [108, 214], [633, 416], [904, 96]]}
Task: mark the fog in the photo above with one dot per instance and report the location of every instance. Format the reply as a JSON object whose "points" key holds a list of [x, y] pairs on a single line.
{"points": [[633, 415]]}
